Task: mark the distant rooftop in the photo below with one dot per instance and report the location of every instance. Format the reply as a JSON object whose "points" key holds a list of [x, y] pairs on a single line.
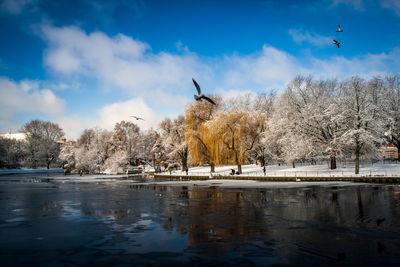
{"points": [[16, 136]]}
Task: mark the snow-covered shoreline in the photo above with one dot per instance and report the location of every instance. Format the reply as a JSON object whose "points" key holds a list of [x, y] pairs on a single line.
{"points": [[373, 170], [57, 176], [247, 183]]}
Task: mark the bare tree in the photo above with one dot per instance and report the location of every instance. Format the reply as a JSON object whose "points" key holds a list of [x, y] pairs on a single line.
{"points": [[173, 140], [12, 153], [41, 139], [392, 110], [361, 113]]}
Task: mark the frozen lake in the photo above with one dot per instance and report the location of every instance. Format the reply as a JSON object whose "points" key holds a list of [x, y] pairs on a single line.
{"points": [[50, 219]]}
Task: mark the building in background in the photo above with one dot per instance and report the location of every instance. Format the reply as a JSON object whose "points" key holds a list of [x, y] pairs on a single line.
{"points": [[16, 136]]}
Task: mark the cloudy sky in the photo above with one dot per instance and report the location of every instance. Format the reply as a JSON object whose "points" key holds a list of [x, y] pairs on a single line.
{"points": [[87, 63]]}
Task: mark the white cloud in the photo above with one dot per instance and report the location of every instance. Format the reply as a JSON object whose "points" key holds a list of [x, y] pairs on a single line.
{"points": [[362, 5], [14, 6], [232, 94], [267, 69], [118, 61], [26, 96], [392, 5], [73, 125], [315, 39], [356, 4], [366, 66], [116, 112], [111, 114], [162, 81]]}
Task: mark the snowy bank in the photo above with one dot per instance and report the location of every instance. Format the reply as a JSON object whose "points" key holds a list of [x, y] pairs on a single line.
{"points": [[367, 170]]}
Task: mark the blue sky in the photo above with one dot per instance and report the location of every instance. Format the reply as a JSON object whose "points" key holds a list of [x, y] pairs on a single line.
{"points": [[93, 63]]}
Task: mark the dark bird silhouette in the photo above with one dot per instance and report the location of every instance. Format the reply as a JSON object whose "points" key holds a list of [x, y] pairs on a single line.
{"points": [[201, 95], [137, 118], [336, 43], [339, 29]]}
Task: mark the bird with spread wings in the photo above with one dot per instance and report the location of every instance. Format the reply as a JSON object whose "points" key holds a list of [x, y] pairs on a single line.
{"points": [[137, 118], [336, 43], [201, 96]]}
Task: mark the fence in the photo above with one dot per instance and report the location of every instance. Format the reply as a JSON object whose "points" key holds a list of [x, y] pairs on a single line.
{"points": [[349, 173]]}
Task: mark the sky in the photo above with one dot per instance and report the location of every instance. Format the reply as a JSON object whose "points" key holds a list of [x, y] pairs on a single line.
{"points": [[93, 63]]}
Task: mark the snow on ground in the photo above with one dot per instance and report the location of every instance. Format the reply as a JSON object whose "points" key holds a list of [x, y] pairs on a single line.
{"points": [[377, 169], [247, 183]]}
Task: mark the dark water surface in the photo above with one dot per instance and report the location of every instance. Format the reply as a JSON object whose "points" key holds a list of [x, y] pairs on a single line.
{"points": [[49, 221]]}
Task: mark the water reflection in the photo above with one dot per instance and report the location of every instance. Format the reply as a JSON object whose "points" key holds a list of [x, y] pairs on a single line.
{"points": [[198, 224]]}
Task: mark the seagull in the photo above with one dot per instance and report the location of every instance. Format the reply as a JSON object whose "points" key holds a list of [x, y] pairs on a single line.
{"points": [[336, 43], [339, 29], [137, 118], [201, 96]]}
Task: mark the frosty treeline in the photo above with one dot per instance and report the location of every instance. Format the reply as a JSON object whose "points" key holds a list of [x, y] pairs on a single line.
{"points": [[101, 151], [310, 120], [40, 149]]}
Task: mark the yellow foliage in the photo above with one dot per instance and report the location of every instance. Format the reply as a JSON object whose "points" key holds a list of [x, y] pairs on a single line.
{"points": [[220, 138]]}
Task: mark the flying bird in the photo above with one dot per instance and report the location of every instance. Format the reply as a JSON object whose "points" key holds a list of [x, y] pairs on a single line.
{"points": [[201, 95], [339, 29], [137, 118], [336, 43]]}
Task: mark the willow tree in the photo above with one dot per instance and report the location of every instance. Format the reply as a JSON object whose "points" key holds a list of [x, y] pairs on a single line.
{"points": [[227, 130], [257, 107], [201, 141]]}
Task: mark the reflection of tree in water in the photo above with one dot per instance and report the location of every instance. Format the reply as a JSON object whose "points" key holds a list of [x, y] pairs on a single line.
{"points": [[121, 203], [216, 219], [300, 224], [210, 216]]}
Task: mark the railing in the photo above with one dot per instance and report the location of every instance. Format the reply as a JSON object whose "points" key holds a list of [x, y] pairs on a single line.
{"points": [[365, 173]]}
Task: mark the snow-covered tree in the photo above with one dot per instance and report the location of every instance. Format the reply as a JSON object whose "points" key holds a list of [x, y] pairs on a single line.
{"points": [[41, 137], [86, 138], [392, 110], [173, 140], [311, 108], [102, 151], [88, 156], [360, 110], [126, 137], [12, 153], [283, 138]]}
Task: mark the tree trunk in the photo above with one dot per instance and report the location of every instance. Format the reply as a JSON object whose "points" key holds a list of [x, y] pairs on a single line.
{"points": [[212, 165], [357, 161], [333, 162], [293, 165], [398, 153], [239, 168], [184, 160], [262, 161]]}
